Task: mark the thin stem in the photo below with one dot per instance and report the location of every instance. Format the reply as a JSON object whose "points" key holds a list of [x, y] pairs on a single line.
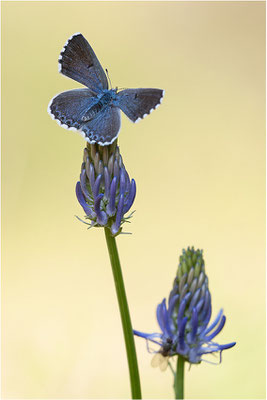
{"points": [[125, 315], [179, 379]]}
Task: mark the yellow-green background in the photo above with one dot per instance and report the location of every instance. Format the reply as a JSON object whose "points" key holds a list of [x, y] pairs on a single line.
{"points": [[199, 163]]}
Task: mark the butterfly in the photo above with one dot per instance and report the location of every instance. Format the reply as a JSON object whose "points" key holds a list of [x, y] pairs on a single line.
{"points": [[95, 111]]}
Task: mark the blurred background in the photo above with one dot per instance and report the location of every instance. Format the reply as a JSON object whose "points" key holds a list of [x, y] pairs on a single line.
{"points": [[199, 163]]}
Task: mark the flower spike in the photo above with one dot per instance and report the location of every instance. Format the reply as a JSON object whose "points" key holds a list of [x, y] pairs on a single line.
{"points": [[105, 191], [184, 324]]}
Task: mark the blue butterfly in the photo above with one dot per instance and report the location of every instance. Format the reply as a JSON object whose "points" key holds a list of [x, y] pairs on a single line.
{"points": [[95, 111]]}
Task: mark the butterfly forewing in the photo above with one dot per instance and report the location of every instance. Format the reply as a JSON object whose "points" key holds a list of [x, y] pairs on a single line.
{"points": [[78, 61], [137, 103]]}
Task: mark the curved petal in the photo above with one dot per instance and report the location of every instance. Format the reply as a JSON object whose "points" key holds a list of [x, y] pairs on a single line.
{"points": [[80, 196], [218, 329], [215, 322]]}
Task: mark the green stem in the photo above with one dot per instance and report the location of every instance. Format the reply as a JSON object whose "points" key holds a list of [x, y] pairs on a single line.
{"points": [[179, 379], [125, 315]]}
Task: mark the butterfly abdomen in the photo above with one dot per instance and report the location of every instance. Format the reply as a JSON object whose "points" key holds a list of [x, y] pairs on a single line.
{"points": [[101, 103]]}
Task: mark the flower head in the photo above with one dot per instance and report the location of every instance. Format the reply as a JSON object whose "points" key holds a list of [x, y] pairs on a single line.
{"points": [[184, 324], [105, 191]]}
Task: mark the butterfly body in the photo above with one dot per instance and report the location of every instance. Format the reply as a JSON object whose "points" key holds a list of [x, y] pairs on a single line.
{"points": [[95, 111], [103, 100]]}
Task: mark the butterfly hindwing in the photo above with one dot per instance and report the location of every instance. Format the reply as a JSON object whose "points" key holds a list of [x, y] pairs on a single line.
{"points": [[137, 103], [69, 107], [104, 128], [78, 61]]}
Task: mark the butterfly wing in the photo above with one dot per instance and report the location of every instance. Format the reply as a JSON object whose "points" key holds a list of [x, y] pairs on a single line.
{"points": [[68, 107], [78, 61], [137, 103], [104, 128]]}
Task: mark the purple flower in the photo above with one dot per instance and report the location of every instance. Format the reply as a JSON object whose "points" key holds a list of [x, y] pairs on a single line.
{"points": [[184, 323], [105, 191]]}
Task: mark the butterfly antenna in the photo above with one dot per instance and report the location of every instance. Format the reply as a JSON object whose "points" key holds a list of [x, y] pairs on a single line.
{"points": [[108, 78]]}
